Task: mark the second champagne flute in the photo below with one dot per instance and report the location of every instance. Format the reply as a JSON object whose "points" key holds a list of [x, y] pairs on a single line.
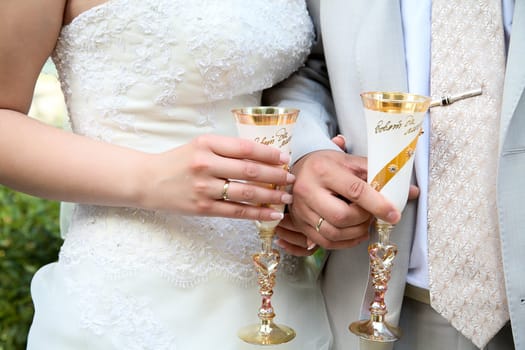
{"points": [[394, 122]]}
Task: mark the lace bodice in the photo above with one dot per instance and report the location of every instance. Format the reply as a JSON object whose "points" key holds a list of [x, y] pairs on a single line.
{"points": [[151, 75]]}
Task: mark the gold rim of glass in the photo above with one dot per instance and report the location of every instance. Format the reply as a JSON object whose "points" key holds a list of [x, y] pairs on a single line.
{"points": [[395, 102], [266, 115]]}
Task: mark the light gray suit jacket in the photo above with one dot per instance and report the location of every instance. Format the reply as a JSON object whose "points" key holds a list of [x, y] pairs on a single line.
{"points": [[362, 42]]}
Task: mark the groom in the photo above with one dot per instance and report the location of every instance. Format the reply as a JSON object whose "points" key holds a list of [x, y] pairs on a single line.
{"points": [[376, 45]]}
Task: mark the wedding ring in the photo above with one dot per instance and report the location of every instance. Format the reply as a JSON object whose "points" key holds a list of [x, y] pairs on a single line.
{"points": [[319, 223], [225, 188]]}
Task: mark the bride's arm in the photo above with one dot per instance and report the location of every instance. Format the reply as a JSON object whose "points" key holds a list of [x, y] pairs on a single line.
{"points": [[45, 161]]}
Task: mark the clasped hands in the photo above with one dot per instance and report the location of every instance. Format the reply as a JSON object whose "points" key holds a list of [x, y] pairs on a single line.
{"points": [[333, 205]]}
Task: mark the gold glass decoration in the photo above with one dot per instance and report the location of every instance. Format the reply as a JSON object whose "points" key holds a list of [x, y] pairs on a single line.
{"points": [[394, 122], [271, 126]]}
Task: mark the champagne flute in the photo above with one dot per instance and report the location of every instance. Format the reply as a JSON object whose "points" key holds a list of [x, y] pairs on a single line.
{"points": [[271, 126], [394, 122]]}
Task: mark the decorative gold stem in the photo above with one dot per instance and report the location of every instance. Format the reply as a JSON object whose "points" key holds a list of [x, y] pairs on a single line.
{"points": [[382, 254], [266, 332], [266, 263]]}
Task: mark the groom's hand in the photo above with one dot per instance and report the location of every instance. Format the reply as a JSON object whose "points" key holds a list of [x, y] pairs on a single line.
{"points": [[333, 204], [322, 183]]}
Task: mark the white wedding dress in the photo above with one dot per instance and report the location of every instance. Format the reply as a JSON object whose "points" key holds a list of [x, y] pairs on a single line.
{"points": [[152, 75]]}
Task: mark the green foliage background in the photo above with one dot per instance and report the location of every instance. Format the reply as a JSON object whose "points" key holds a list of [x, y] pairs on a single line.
{"points": [[29, 238]]}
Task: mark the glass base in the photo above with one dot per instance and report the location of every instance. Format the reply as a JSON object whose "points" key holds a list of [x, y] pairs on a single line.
{"points": [[266, 334], [376, 331]]}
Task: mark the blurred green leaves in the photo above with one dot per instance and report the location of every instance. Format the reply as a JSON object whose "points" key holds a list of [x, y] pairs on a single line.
{"points": [[29, 239]]}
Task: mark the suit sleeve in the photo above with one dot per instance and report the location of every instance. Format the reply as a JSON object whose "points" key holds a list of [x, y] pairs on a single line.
{"points": [[308, 89]]}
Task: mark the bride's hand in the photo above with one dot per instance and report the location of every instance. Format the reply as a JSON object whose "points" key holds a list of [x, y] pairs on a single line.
{"points": [[193, 179]]}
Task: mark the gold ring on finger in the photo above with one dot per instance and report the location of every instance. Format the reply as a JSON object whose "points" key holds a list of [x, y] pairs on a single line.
{"points": [[225, 188], [319, 223]]}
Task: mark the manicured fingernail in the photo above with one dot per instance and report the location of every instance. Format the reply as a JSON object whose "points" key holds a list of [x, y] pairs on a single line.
{"points": [[392, 216], [311, 245], [287, 198], [290, 178], [284, 158], [276, 216], [279, 243], [342, 136]]}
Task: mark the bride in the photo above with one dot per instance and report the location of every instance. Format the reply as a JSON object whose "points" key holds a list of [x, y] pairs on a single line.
{"points": [[154, 258]]}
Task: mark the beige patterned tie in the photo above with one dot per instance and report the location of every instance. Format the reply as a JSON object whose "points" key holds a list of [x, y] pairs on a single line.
{"points": [[466, 273]]}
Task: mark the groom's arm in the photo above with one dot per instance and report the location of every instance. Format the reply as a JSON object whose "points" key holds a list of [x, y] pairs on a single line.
{"points": [[332, 201], [308, 89]]}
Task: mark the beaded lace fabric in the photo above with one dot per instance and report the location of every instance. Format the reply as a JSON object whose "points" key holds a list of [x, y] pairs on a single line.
{"points": [[151, 75], [466, 273]]}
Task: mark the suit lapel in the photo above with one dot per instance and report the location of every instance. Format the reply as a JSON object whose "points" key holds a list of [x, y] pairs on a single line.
{"points": [[515, 75], [380, 53]]}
